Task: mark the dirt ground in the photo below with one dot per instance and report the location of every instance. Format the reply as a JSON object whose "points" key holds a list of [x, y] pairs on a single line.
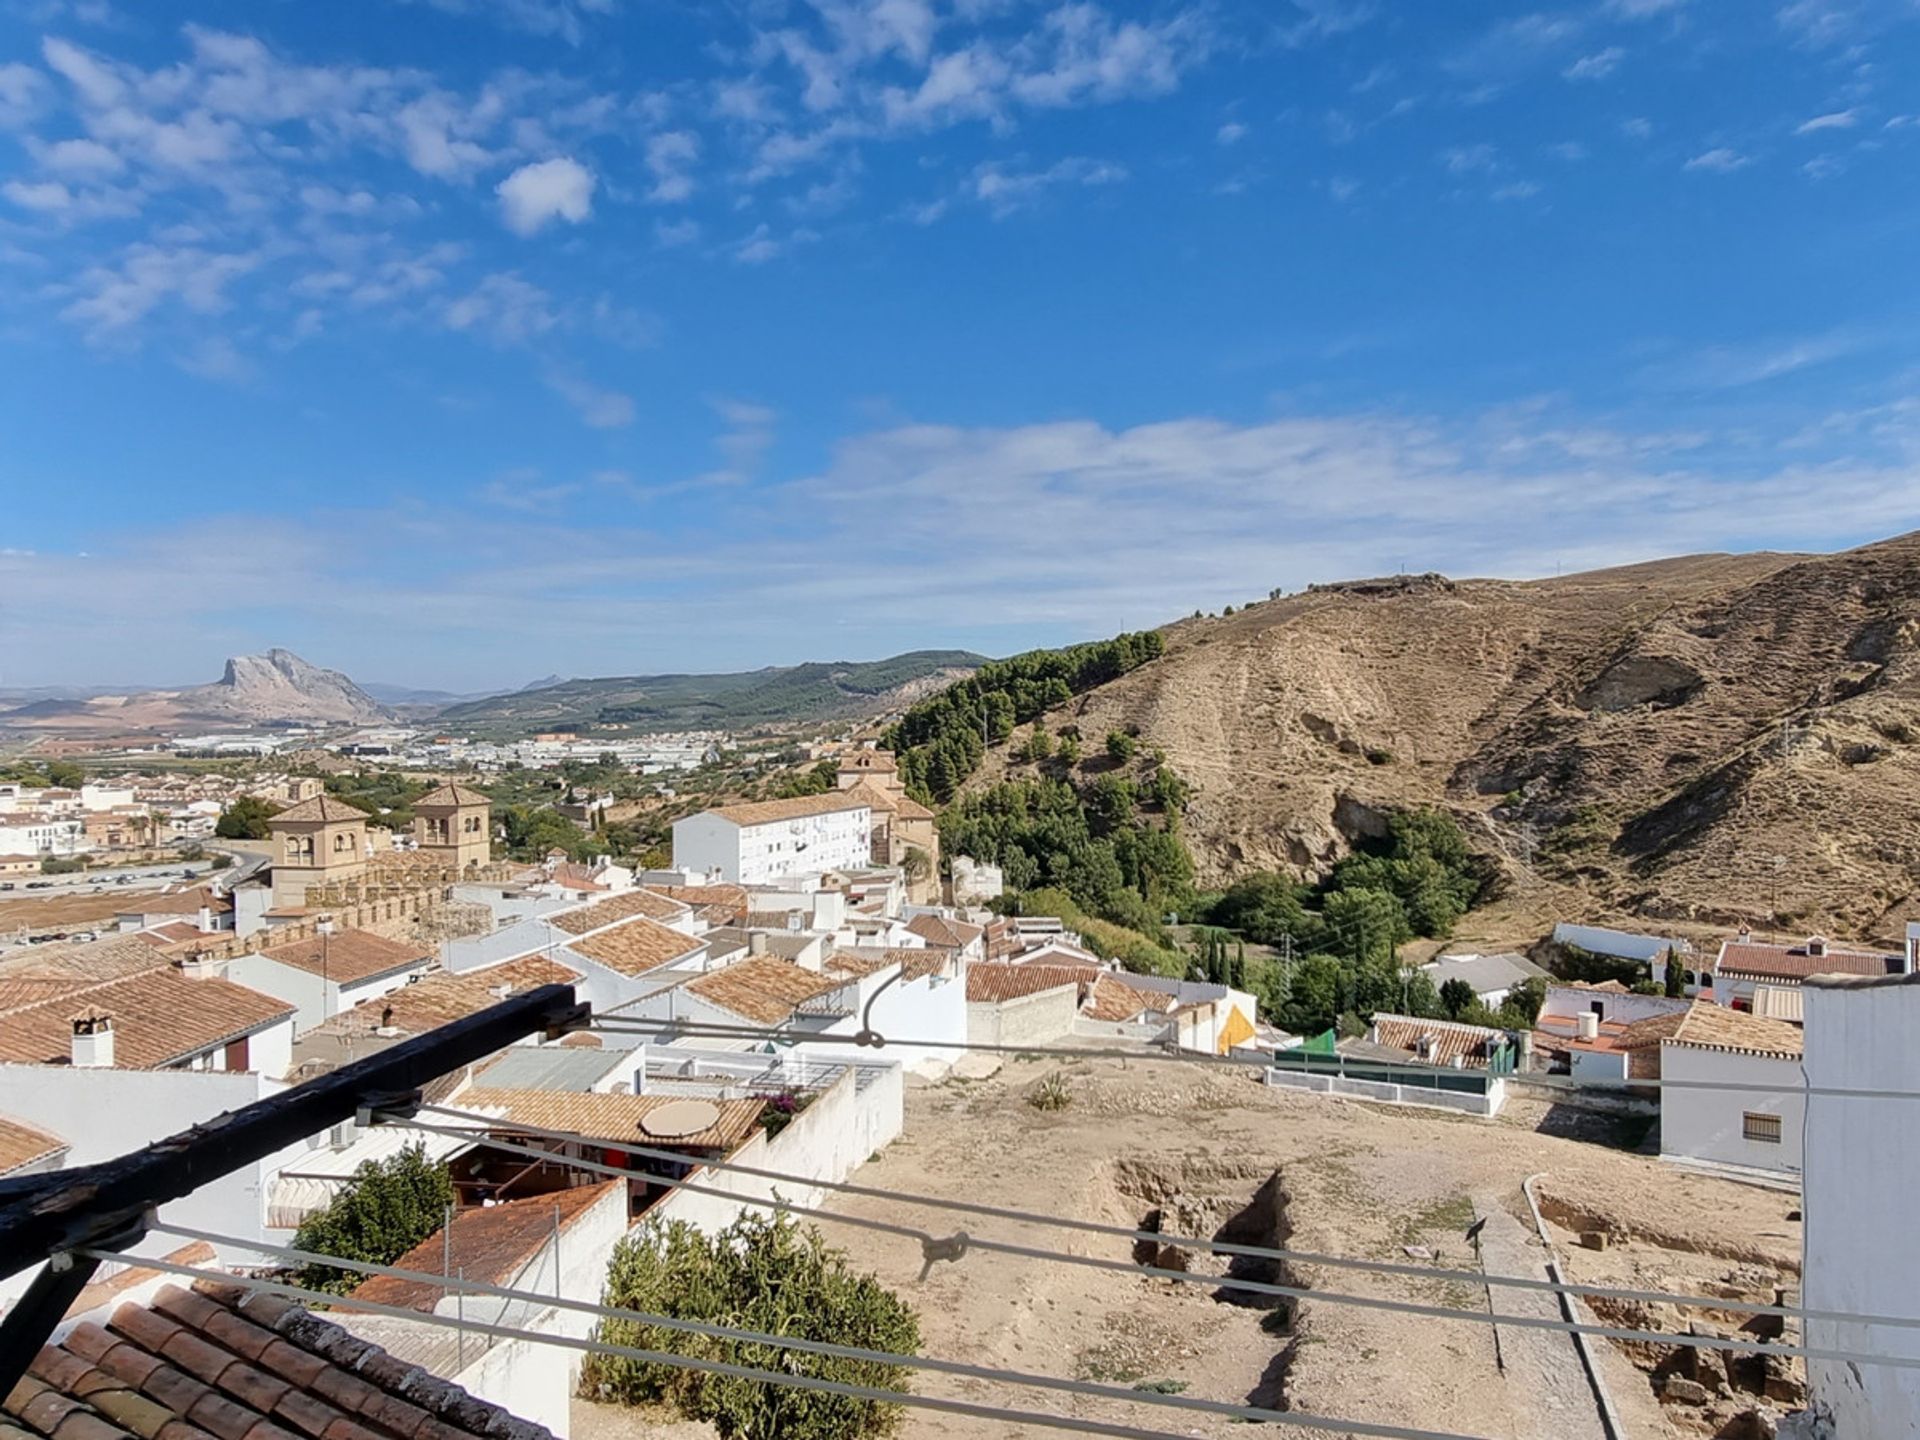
{"points": [[1216, 1153], [43, 912]]}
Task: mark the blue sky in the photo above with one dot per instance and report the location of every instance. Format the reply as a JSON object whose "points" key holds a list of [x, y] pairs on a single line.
{"points": [[453, 342]]}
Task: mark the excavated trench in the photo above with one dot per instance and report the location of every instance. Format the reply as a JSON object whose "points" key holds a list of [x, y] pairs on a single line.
{"points": [[1230, 1203]]}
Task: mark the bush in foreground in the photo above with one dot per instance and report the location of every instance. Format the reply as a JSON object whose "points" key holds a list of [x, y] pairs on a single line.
{"points": [[761, 1274]]}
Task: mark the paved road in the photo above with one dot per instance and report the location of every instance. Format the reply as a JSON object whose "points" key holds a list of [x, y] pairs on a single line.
{"points": [[80, 884], [1545, 1379]]}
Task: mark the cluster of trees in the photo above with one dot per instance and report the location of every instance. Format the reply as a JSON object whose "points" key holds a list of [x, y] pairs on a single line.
{"points": [[1343, 937], [1096, 844], [386, 795], [765, 1274], [246, 818], [819, 780], [1141, 953], [941, 740], [530, 831], [387, 1208], [40, 773], [1220, 959]]}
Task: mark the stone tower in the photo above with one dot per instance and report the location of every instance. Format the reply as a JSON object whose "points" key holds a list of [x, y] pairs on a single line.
{"points": [[455, 826], [316, 842]]}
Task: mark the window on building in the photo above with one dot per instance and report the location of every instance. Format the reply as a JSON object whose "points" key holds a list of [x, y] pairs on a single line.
{"points": [[1765, 1128]]}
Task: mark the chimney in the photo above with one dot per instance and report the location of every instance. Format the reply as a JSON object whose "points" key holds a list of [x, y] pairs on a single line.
{"points": [[757, 943], [1817, 946], [1589, 1025], [1423, 1047], [199, 965], [93, 1040]]}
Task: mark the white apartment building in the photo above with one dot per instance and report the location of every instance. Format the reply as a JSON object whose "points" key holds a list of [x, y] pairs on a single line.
{"points": [[38, 834], [756, 843]]}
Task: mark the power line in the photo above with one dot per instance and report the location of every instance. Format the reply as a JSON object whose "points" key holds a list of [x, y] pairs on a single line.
{"points": [[956, 1247], [696, 1029], [996, 1373], [1194, 1242], [591, 1346]]}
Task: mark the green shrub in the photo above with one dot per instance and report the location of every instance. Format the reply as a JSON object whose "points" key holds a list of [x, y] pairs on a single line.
{"points": [[387, 1208], [1050, 1092], [760, 1274]]}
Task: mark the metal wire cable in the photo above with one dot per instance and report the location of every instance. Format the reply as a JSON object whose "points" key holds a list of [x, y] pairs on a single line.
{"points": [[1195, 1242], [668, 1358], [934, 1246], [994, 1373], [634, 1025]]}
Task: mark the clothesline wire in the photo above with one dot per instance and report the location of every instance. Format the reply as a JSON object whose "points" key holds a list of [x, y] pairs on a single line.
{"points": [[933, 1246], [1193, 1242], [882, 1395], [994, 1373]]}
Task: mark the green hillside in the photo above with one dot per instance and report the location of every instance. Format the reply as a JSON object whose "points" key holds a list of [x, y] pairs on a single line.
{"points": [[817, 690]]}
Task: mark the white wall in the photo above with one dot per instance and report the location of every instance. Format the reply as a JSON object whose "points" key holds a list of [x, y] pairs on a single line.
{"points": [[1411, 1093], [1862, 1172], [1037, 1019], [103, 1114], [757, 854], [931, 1008], [1707, 1125], [1622, 1006], [299, 988]]}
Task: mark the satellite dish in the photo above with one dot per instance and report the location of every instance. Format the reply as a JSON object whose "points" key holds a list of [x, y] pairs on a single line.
{"points": [[678, 1119]]}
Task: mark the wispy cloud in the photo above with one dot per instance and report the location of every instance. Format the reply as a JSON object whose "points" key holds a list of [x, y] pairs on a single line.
{"points": [[1597, 66], [1835, 120], [601, 408], [1719, 161]]}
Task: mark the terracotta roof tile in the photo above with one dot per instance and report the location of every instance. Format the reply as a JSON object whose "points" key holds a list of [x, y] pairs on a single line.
{"points": [[598, 1116], [448, 995], [767, 812], [996, 983], [1707, 1026], [349, 956], [1469, 1044], [450, 796], [731, 897], [160, 1017], [489, 1244], [764, 989], [21, 1144], [1795, 962], [938, 930], [633, 947], [319, 809], [620, 907], [1113, 999]]}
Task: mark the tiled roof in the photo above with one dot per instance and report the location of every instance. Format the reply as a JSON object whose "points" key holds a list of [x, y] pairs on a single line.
{"points": [[160, 1017], [1707, 1026], [448, 796], [180, 902], [633, 947], [113, 958], [173, 933], [21, 1144], [317, 809], [489, 1243], [915, 964], [215, 1361], [766, 812], [1113, 999], [620, 907], [569, 876], [938, 930], [596, 1116], [1793, 962], [1780, 1002], [349, 956], [763, 989], [447, 995], [1452, 1041], [706, 898], [992, 984], [1651, 1031]]}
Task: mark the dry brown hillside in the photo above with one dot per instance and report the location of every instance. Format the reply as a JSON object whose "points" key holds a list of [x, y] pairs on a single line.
{"points": [[1641, 741]]}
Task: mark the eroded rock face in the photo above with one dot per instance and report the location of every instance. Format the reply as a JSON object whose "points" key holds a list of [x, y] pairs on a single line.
{"points": [[1637, 680]]}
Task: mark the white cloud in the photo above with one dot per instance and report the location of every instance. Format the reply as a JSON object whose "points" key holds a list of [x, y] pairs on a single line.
{"points": [[1637, 127], [505, 308], [46, 196], [668, 157], [113, 298], [671, 234], [1232, 133], [759, 247], [1836, 120], [78, 157], [1470, 159], [1004, 191], [216, 358], [1720, 161], [601, 408], [1819, 23], [534, 195], [1642, 9], [22, 89], [1596, 66]]}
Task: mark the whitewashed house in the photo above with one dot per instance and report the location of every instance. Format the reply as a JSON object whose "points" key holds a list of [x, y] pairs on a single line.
{"points": [[1862, 1171], [755, 843], [1756, 1126]]}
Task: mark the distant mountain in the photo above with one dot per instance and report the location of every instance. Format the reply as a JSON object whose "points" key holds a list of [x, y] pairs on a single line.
{"points": [[820, 690], [545, 683], [408, 695], [277, 688]]}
